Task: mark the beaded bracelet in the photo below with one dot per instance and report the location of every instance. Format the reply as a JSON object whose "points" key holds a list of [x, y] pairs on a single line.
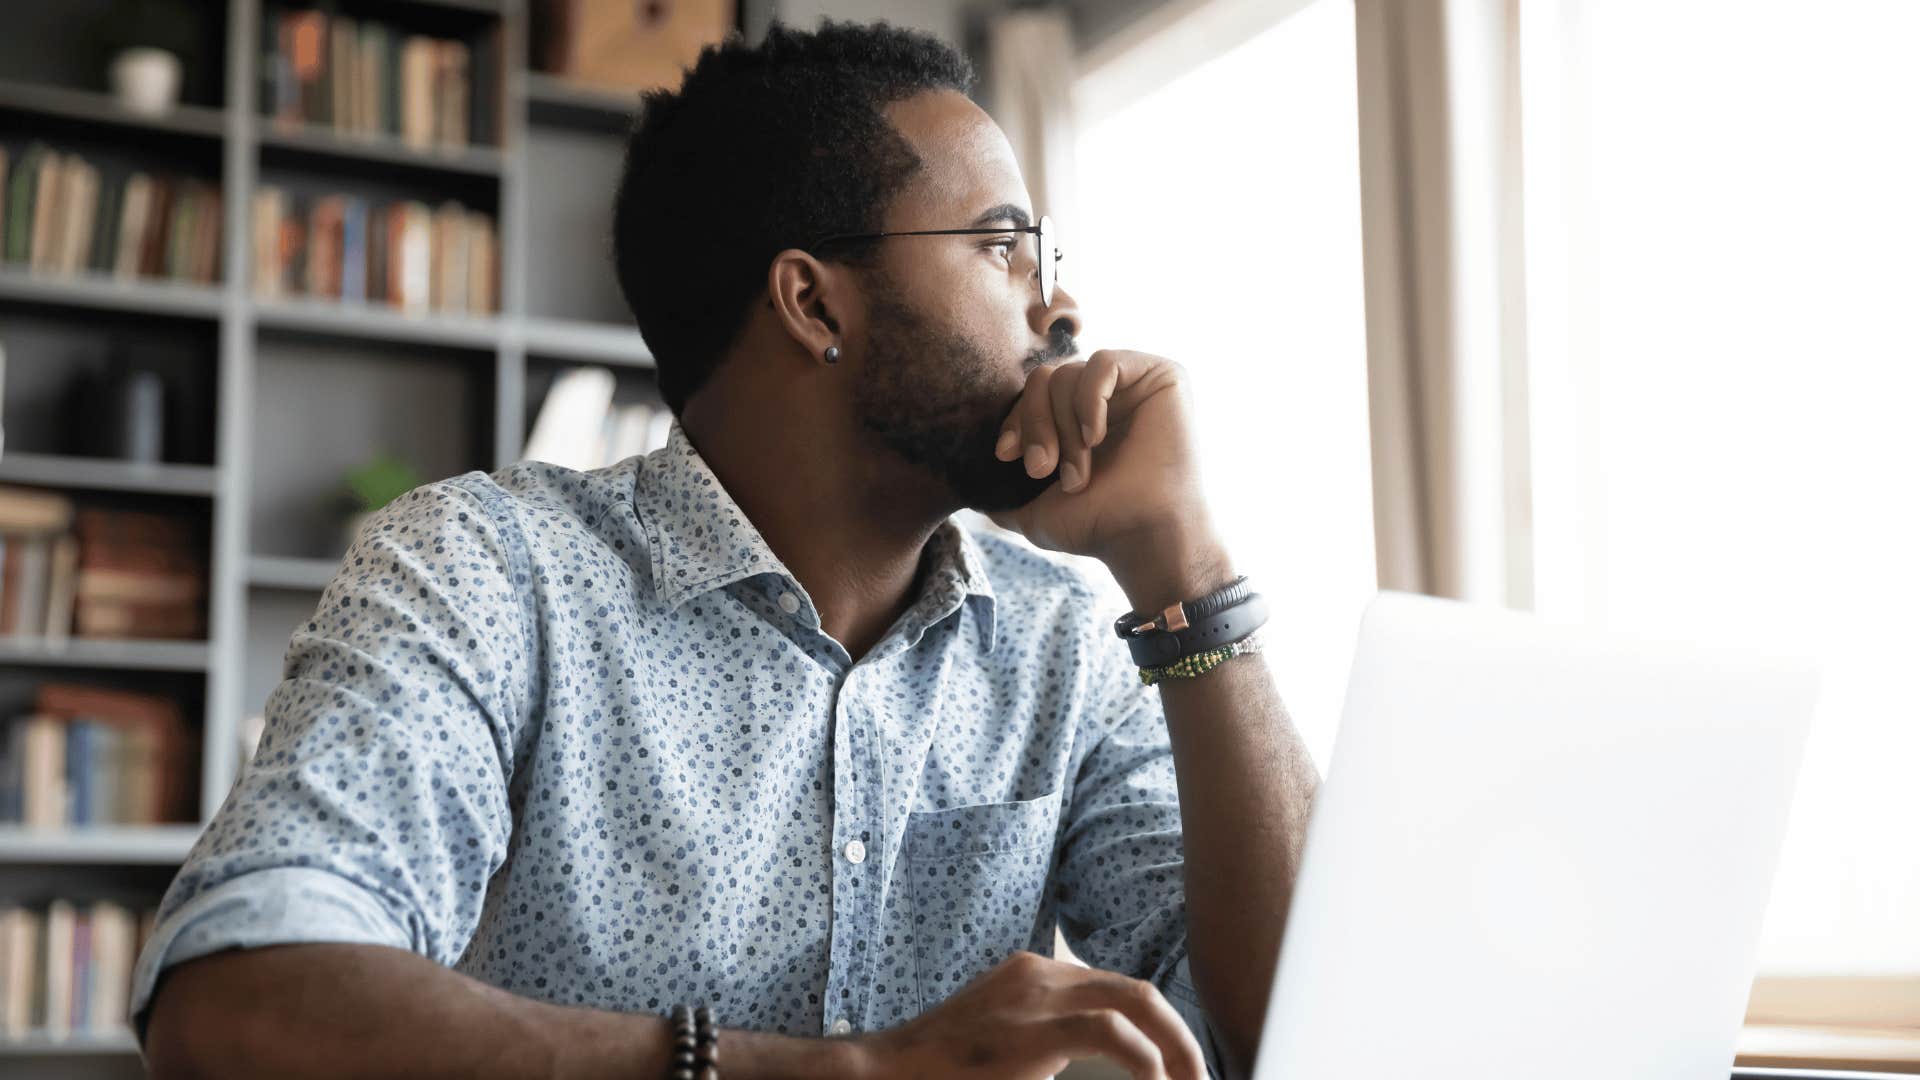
{"points": [[696, 1045], [1200, 663]]}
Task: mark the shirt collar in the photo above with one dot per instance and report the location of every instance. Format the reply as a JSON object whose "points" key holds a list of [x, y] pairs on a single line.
{"points": [[700, 540]]}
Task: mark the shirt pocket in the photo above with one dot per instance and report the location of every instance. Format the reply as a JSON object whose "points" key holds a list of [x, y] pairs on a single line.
{"points": [[978, 875]]}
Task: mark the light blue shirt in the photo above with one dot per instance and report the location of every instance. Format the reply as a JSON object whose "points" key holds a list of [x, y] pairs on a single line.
{"points": [[580, 735]]}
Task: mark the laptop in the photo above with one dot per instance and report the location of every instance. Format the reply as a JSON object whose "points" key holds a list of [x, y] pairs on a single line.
{"points": [[1539, 851]]}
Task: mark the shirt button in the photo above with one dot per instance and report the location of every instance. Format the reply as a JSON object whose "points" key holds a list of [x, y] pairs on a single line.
{"points": [[841, 1027], [856, 851], [789, 603]]}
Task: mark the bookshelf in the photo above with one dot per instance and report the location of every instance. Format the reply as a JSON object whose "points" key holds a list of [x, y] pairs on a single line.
{"points": [[296, 387]]}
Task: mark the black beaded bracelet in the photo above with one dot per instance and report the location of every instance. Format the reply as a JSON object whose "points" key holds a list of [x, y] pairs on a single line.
{"points": [[696, 1044]]}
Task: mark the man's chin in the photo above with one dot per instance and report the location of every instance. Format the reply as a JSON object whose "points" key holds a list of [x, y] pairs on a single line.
{"points": [[998, 486]]}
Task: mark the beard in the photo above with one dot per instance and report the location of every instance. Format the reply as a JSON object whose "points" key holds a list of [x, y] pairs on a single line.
{"points": [[933, 398]]}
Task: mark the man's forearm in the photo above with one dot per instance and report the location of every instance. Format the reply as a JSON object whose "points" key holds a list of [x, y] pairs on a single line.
{"points": [[370, 1011], [1246, 786]]}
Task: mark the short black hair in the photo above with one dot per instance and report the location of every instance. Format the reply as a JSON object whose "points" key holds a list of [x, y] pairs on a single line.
{"points": [[761, 148]]}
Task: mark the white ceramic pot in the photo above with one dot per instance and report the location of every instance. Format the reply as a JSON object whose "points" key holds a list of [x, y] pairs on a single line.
{"points": [[145, 80]]}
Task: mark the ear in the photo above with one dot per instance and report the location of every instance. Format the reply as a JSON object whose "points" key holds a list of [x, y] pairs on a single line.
{"points": [[811, 300]]}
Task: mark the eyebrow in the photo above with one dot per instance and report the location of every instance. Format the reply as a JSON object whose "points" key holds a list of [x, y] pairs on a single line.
{"points": [[1003, 212]]}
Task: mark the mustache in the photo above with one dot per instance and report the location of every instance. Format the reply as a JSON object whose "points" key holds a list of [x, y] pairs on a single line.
{"points": [[1060, 346]]}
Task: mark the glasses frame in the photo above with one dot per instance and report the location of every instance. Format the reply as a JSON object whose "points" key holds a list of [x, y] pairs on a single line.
{"points": [[1042, 231]]}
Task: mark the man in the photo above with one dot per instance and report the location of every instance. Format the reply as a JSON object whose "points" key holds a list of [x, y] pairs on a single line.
{"points": [[752, 720]]}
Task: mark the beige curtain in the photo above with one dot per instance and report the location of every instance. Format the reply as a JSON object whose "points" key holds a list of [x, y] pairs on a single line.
{"points": [[1030, 85], [1441, 187]]}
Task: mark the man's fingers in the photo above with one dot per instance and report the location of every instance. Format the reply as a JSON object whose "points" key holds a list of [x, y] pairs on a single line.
{"points": [[1076, 461], [1150, 1011], [1036, 423], [1110, 1033], [1094, 392]]}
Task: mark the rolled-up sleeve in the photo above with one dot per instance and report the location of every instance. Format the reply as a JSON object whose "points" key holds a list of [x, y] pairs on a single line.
{"points": [[375, 809], [1120, 886]]}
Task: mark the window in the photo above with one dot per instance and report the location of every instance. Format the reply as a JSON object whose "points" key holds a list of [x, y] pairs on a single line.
{"points": [[1722, 227], [1218, 223]]}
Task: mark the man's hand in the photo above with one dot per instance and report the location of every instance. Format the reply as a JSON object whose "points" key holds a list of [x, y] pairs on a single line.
{"points": [[1118, 429], [1027, 1017]]}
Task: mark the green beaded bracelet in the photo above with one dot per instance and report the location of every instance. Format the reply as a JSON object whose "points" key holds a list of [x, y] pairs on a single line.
{"points": [[1200, 663]]}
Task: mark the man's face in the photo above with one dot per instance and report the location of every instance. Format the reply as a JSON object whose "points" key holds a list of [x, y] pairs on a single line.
{"points": [[955, 323]]}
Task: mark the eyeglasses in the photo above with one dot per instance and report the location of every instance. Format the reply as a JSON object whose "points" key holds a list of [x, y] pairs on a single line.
{"points": [[1044, 244]]}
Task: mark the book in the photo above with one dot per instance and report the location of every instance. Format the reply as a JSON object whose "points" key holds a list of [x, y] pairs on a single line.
{"points": [[80, 970], [80, 763], [43, 781], [305, 33], [378, 251], [106, 221], [26, 602], [34, 510], [107, 765], [206, 238], [293, 247], [566, 431], [450, 94], [482, 265], [323, 246], [49, 199], [21, 930], [415, 264], [353, 249], [81, 197], [135, 205], [179, 230], [341, 67], [60, 589], [110, 974], [370, 72], [57, 977], [269, 206], [153, 246], [13, 769], [416, 95], [450, 236], [20, 199]]}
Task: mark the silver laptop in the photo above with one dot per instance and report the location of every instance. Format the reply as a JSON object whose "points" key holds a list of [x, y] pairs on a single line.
{"points": [[1539, 852]]}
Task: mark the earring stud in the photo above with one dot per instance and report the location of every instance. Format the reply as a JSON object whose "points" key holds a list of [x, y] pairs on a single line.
{"points": [[833, 354]]}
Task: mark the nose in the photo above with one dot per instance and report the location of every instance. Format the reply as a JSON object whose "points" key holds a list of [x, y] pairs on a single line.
{"points": [[1046, 317]]}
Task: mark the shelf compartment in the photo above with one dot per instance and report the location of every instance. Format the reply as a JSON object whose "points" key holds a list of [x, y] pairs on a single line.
{"points": [[80, 1043], [101, 292], [374, 322], [552, 100], [583, 340], [117, 654], [287, 572], [91, 107], [102, 474], [284, 145], [124, 845]]}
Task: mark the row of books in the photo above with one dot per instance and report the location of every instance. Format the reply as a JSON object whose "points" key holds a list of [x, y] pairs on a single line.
{"points": [[403, 254], [96, 572], [90, 755], [579, 425], [368, 78], [67, 966], [63, 214]]}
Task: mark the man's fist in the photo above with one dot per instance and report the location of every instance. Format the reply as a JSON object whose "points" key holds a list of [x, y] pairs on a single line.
{"points": [[1027, 1017]]}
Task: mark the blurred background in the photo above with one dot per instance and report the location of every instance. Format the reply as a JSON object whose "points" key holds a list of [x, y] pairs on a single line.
{"points": [[1594, 308]]}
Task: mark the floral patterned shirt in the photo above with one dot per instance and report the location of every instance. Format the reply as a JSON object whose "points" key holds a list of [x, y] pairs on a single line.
{"points": [[580, 735]]}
